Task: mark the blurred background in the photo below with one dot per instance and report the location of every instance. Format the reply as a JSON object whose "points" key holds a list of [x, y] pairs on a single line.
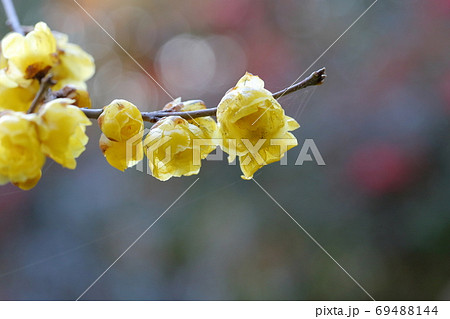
{"points": [[380, 206]]}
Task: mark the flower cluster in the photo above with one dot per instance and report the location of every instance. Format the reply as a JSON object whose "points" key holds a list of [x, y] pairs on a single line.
{"points": [[26, 59], [36, 122], [170, 144], [251, 124], [54, 129]]}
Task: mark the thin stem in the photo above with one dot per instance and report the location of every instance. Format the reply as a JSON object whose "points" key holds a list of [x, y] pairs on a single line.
{"points": [[153, 117], [13, 20], [46, 83], [316, 78]]}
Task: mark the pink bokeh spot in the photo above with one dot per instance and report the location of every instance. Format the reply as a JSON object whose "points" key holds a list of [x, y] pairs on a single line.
{"points": [[381, 168]]}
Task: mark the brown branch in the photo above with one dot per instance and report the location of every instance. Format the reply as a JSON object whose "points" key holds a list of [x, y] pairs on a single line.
{"points": [[46, 83], [12, 19], [316, 78], [153, 117]]}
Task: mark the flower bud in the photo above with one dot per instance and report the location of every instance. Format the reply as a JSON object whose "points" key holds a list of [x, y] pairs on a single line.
{"points": [[120, 121], [122, 155]]}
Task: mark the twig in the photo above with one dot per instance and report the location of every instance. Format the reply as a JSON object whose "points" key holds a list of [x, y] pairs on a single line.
{"points": [[12, 19], [153, 117], [46, 83], [316, 78]]}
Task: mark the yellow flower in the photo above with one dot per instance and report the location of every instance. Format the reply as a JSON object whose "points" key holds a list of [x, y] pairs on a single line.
{"points": [[171, 149], [205, 123], [120, 121], [118, 155], [265, 153], [21, 158], [81, 97], [29, 55], [253, 125], [74, 91], [75, 65], [17, 98], [62, 131]]}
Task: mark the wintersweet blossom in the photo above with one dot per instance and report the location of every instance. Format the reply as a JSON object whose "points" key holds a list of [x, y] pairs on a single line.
{"points": [[205, 123], [61, 128], [253, 125], [29, 55], [17, 98], [169, 147], [21, 157], [74, 68], [25, 59], [120, 121], [122, 155], [74, 65]]}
